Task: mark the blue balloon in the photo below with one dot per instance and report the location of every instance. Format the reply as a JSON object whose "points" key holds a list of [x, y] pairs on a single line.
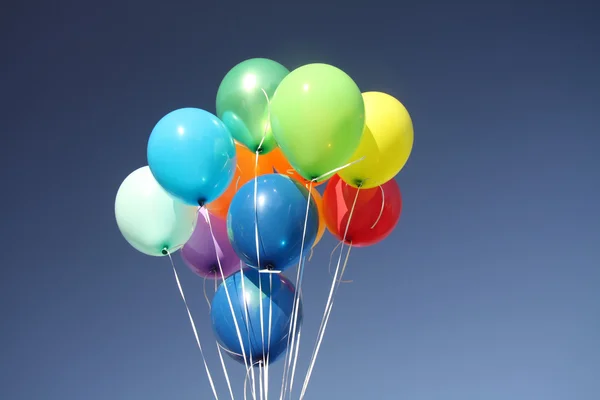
{"points": [[280, 214], [192, 155], [277, 293]]}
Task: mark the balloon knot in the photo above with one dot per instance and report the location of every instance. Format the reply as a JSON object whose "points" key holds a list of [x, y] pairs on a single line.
{"points": [[358, 182], [165, 251], [201, 202]]}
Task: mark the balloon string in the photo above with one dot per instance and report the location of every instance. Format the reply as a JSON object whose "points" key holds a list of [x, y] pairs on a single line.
{"points": [[216, 245], [300, 273], [296, 306], [225, 371], [260, 374], [382, 207], [206, 295], [324, 326], [247, 363], [248, 332], [268, 120], [331, 257], [285, 362], [258, 150], [261, 369], [331, 263], [210, 380], [250, 368], [329, 300], [290, 342], [338, 169], [295, 309], [269, 339], [295, 360], [257, 243], [235, 323], [218, 346], [322, 334], [296, 342], [299, 283]]}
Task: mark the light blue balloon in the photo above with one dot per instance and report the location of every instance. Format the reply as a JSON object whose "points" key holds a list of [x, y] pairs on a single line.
{"points": [[192, 155]]}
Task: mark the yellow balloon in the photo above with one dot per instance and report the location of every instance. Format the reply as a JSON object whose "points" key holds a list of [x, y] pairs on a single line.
{"points": [[386, 142]]}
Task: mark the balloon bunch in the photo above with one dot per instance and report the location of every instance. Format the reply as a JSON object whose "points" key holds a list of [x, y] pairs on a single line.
{"points": [[236, 191]]}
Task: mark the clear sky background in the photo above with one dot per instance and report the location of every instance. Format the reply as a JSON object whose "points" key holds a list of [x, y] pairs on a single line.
{"points": [[489, 288]]}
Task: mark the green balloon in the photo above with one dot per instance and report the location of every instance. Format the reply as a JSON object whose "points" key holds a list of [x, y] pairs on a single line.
{"points": [[317, 118], [243, 101]]}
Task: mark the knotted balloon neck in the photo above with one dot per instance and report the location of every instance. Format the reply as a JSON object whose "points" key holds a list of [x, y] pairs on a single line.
{"points": [[214, 269], [358, 183]]}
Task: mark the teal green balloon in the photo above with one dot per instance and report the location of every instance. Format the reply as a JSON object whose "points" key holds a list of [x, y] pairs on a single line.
{"points": [[243, 102], [152, 221]]}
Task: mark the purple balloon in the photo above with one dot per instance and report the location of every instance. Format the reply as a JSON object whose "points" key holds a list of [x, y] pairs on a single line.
{"points": [[199, 252]]}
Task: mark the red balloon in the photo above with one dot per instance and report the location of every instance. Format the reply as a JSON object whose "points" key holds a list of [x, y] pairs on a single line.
{"points": [[375, 214]]}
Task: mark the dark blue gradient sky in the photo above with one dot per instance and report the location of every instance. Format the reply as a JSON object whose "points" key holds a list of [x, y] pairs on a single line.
{"points": [[488, 289]]}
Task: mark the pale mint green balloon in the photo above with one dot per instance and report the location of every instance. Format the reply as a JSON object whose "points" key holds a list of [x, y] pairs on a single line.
{"points": [[152, 221]]}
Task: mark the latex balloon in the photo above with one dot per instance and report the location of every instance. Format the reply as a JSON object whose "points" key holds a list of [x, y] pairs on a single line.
{"points": [[280, 212], [282, 166], [375, 214], [322, 224], [149, 219], [276, 298], [243, 101], [202, 253], [317, 118], [192, 155], [385, 145], [244, 172]]}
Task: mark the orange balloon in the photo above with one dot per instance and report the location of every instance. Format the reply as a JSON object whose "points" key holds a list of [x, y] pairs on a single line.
{"points": [[280, 164], [244, 173], [322, 224]]}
